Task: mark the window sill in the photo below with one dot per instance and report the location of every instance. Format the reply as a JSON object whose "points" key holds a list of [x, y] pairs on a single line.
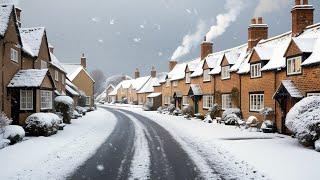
{"points": [[207, 81]]}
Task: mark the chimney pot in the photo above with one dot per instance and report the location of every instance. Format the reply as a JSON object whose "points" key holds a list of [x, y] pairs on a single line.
{"points": [[298, 2], [83, 60], [301, 17], [305, 2], [260, 20], [18, 15], [137, 73], [206, 49], [256, 33], [172, 64], [253, 21], [153, 72]]}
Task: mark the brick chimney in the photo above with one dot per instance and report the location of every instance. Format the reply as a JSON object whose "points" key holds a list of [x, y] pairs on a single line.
{"points": [[206, 48], [172, 64], [302, 16], [256, 31], [153, 72], [83, 60], [51, 48], [18, 14], [137, 73]]}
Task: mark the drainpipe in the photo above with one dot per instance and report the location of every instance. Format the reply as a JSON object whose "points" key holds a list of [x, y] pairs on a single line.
{"points": [[275, 102], [2, 83], [240, 90]]}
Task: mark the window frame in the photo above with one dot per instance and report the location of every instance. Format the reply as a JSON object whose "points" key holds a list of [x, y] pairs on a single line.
{"points": [[14, 55], [254, 105], [208, 101], [56, 75], [224, 101], [206, 75], [309, 94], [168, 83], [291, 66], [255, 70], [188, 78], [225, 69], [42, 93], [88, 100], [174, 83], [25, 93], [184, 100]]}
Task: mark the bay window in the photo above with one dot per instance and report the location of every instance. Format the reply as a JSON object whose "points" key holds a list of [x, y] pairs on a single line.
{"points": [[26, 100]]}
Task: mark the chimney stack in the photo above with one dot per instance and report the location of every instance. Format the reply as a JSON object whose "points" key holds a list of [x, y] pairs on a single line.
{"points": [[172, 64], [256, 32], [51, 48], [302, 16], [206, 48], [153, 72], [18, 14], [137, 73], [83, 60]]}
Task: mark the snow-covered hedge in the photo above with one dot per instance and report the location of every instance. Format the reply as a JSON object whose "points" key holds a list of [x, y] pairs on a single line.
{"points": [[14, 133], [81, 110], [171, 108], [4, 121], [64, 104], [303, 120], [4, 143], [231, 116], [188, 110], [214, 111], [177, 112], [76, 114], [228, 111], [43, 124], [231, 119], [268, 126], [147, 106]]}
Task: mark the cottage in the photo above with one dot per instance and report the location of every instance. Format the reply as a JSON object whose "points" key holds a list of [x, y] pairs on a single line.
{"points": [[79, 76]]}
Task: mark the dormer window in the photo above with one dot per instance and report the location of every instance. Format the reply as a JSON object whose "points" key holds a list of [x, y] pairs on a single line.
{"points": [[14, 55], [255, 70], [294, 65], [206, 75], [167, 83], [225, 73], [174, 83], [188, 79]]}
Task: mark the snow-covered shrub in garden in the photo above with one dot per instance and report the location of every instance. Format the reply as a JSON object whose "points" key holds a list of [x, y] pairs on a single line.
{"points": [[4, 121], [4, 143], [64, 104], [199, 116], [76, 114], [231, 116], [208, 119], [14, 133], [160, 109], [188, 111], [268, 126], [43, 124], [214, 111], [266, 111], [177, 112], [303, 120], [171, 108], [231, 119], [147, 106], [81, 110], [317, 145]]}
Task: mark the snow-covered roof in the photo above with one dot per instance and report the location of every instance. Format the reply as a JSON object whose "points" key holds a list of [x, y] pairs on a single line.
{"points": [[193, 64], [196, 89], [31, 40], [153, 95], [138, 83], [162, 77], [28, 78], [199, 70], [71, 91], [305, 44], [73, 70], [291, 88], [55, 62], [148, 87], [178, 72], [5, 12], [315, 56]]}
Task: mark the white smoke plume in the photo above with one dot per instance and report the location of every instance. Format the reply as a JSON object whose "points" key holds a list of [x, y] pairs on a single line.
{"points": [[267, 6], [189, 41], [15, 2], [233, 8]]}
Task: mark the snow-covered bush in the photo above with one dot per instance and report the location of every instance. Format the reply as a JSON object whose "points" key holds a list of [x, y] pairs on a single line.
{"points": [[76, 114], [14, 133], [147, 106], [208, 119], [177, 112], [231, 119], [43, 124], [4, 143], [317, 145], [4, 121], [160, 109], [214, 111], [303, 120], [231, 116], [81, 110], [64, 104], [268, 126], [199, 116], [188, 111], [171, 108], [251, 120]]}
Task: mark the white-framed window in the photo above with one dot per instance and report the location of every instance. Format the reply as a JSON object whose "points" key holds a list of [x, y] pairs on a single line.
{"points": [[167, 83], [150, 100], [225, 73], [313, 94], [26, 100], [141, 100], [226, 101], [56, 75], [256, 102], [294, 65], [43, 64], [46, 99], [14, 56], [174, 83], [206, 75], [63, 79], [207, 101], [188, 79], [167, 100], [185, 100], [255, 70], [88, 101]]}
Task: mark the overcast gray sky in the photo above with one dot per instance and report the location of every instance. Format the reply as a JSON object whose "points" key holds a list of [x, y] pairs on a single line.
{"points": [[119, 35]]}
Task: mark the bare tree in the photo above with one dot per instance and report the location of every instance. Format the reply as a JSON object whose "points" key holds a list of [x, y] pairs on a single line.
{"points": [[99, 79]]}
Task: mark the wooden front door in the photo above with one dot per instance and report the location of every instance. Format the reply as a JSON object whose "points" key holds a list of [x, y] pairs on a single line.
{"points": [[15, 106], [196, 105]]}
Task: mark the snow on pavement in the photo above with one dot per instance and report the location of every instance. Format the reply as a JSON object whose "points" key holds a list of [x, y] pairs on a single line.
{"points": [[140, 165], [242, 154], [57, 156]]}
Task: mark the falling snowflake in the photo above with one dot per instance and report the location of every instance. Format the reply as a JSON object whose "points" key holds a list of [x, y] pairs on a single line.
{"points": [[142, 26], [100, 167], [112, 21], [95, 19], [160, 53], [137, 40], [189, 11], [100, 41]]}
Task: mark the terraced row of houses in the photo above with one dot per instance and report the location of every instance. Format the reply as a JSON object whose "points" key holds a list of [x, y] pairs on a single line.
{"points": [[273, 72], [31, 76]]}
